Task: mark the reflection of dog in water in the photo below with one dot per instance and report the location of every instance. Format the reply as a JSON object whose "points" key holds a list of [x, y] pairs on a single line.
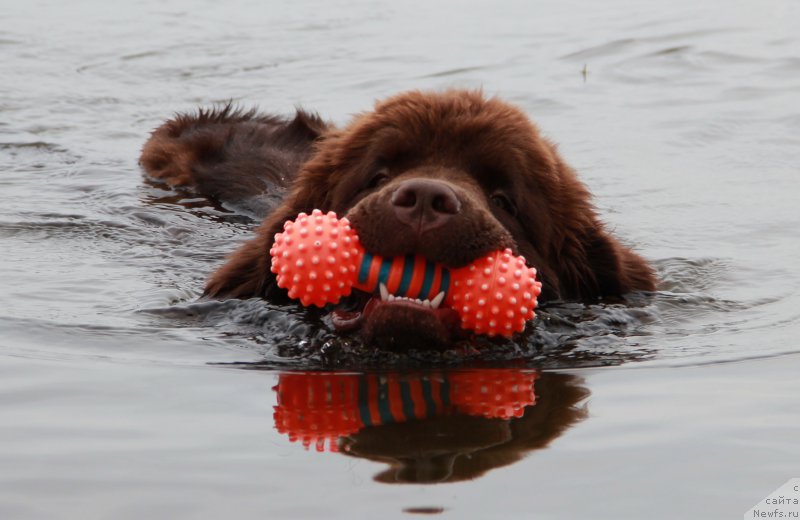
{"points": [[429, 427]]}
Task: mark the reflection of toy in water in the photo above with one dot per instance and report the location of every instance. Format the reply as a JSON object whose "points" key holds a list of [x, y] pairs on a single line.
{"points": [[442, 426], [318, 258], [318, 408]]}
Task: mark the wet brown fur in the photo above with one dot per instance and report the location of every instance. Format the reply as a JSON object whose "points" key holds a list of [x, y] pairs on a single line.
{"points": [[480, 147]]}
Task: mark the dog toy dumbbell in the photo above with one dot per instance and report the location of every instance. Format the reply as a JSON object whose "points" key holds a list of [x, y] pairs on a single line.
{"points": [[318, 259]]}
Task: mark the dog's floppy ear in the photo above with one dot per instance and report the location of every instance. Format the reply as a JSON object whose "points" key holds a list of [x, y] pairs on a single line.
{"points": [[590, 263], [246, 273], [602, 267]]}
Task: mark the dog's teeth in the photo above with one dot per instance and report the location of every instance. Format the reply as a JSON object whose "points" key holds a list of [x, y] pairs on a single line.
{"points": [[437, 300], [426, 303], [390, 298], [384, 292]]}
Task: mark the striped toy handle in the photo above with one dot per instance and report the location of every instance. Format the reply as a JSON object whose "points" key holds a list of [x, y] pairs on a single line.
{"points": [[410, 276]]}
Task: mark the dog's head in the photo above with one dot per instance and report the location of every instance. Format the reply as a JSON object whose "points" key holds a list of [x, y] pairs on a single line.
{"points": [[450, 176]]}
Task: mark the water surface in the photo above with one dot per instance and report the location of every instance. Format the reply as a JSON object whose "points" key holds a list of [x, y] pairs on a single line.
{"points": [[123, 396]]}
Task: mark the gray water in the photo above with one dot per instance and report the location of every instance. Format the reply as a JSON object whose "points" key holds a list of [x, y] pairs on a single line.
{"points": [[123, 397]]}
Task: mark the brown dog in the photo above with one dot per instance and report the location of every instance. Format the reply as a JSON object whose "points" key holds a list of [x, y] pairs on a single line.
{"points": [[451, 176]]}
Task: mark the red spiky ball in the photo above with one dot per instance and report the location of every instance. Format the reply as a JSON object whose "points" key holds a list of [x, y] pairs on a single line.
{"points": [[495, 295], [315, 258]]}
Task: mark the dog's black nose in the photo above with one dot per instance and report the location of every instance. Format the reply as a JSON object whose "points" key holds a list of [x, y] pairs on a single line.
{"points": [[425, 204]]}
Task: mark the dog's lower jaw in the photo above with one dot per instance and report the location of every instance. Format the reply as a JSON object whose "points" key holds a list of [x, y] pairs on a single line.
{"points": [[404, 326]]}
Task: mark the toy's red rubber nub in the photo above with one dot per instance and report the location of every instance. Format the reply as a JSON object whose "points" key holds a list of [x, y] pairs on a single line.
{"points": [[315, 258], [495, 295]]}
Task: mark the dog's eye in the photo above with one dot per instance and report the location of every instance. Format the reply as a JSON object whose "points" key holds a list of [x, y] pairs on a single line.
{"points": [[378, 178], [503, 202]]}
